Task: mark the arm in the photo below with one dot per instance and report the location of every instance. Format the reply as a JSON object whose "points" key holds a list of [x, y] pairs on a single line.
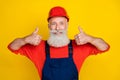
{"points": [[83, 38], [33, 39], [99, 43]]}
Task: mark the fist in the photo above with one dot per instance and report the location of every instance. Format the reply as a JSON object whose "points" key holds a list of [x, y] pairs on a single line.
{"points": [[82, 37], [34, 38]]}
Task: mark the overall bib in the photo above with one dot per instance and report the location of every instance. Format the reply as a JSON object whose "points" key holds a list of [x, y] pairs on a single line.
{"points": [[59, 68]]}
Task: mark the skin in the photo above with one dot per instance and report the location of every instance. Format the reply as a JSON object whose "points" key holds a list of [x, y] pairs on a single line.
{"points": [[59, 23]]}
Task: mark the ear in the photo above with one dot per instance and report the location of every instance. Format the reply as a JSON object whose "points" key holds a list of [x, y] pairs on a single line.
{"points": [[48, 25], [67, 24]]}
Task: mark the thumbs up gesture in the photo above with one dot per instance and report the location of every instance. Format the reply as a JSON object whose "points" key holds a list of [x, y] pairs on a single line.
{"points": [[34, 38], [82, 37]]}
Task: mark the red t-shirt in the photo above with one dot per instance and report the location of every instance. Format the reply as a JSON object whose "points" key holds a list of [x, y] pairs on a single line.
{"points": [[37, 53]]}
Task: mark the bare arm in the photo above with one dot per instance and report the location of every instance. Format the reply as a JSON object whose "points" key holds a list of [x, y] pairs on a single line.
{"points": [[83, 38], [33, 39], [99, 43], [17, 43]]}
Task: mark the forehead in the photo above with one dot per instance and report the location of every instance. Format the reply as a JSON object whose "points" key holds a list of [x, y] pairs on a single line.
{"points": [[58, 19]]}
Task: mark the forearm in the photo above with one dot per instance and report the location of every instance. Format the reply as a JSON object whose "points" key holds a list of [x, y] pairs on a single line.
{"points": [[99, 43], [33, 39], [17, 43]]}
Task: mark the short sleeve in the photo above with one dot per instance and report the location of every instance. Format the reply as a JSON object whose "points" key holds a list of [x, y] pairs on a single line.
{"points": [[87, 49], [93, 50], [27, 49]]}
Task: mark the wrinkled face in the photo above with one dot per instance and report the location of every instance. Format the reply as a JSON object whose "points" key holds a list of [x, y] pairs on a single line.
{"points": [[58, 32], [58, 24]]}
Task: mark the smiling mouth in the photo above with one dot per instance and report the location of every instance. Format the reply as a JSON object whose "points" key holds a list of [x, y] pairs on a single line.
{"points": [[57, 33]]}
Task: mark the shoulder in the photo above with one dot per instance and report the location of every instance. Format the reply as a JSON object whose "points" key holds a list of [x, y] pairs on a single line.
{"points": [[86, 48]]}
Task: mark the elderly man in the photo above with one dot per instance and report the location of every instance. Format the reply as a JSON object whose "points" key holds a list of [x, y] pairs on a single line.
{"points": [[58, 58]]}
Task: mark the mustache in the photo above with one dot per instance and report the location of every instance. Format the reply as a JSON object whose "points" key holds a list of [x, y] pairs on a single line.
{"points": [[57, 31]]}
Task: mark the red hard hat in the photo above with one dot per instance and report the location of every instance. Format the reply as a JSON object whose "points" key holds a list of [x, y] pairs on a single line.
{"points": [[57, 12]]}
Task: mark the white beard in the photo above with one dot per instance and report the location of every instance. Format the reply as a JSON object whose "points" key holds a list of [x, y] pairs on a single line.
{"points": [[58, 40]]}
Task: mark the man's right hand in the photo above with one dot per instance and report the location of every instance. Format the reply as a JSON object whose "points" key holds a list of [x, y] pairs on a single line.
{"points": [[34, 38]]}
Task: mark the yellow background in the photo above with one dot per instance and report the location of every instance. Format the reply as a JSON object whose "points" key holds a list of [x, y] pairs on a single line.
{"points": [[100, 18]]}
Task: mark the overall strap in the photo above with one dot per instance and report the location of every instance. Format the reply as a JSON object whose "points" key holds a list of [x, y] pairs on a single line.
{"points": [[47, 49], [70, 48]]}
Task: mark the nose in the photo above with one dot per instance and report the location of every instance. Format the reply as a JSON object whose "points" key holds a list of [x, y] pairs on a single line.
{"points": [[57, 27]]}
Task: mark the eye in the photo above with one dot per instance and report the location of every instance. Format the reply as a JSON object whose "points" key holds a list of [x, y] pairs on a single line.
{"points": [[61, 23], [52, 23]]}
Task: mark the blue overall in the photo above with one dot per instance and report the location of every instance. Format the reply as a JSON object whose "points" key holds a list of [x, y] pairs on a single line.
{"points": [[59, 68]]}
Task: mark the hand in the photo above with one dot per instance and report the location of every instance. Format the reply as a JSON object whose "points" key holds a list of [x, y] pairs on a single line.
{"points": [[82, 37], [34, 38]]}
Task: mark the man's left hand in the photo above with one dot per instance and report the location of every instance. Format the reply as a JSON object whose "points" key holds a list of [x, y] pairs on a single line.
{"points": [[82, 37]]}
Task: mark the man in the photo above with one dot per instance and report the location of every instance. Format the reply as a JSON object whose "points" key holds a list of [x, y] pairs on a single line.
{"points": [[58, 58]]}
